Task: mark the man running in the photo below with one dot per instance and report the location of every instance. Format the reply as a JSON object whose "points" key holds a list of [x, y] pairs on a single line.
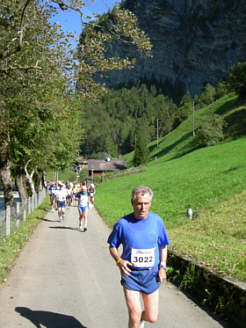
{"points": [[76, 189], [52, 192], [61, 195], [92, 191], [82, 198], [69, 194], [142, 263]]}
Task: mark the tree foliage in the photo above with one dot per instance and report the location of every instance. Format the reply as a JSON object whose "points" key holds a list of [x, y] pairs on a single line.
{"points": [[184, 109], [210, 130], [40, 114], [121, 114], [34, 75], [236, 80], [141, 154], [92, 51]]}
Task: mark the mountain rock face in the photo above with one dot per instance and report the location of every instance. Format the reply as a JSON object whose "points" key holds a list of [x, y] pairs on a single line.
{"points": [[194, 41]]}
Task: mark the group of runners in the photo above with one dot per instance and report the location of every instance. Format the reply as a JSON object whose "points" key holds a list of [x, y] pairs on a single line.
{"points": [[64, 195], [144, 241]]}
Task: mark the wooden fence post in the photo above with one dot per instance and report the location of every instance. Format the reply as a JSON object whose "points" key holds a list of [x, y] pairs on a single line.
{"points": [[29, 205], [17, 214], [24, 211], [7, 220]]}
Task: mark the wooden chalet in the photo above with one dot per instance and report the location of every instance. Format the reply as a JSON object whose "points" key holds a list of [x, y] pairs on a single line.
{"points": [[98, 167], [81, 163]]}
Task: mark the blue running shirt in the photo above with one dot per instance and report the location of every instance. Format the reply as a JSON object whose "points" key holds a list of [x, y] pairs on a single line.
{"points": [[83, 199], [140, 239]]}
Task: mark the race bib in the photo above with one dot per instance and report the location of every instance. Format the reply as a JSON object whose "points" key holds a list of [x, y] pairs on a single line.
{"points": [[143, 258]]}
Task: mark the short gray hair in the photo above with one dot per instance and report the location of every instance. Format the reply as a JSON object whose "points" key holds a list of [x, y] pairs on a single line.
{"points": [[142, 190]]}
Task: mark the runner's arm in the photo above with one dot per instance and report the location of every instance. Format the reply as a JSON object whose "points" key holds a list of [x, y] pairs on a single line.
{"points": [[122, 264], [163, 259], [163, 254]]}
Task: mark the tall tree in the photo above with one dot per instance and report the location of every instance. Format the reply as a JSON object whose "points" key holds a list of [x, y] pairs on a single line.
{"points": [[236, 79], [141, 154], [35, 65], [32, 70], [92, 54]]}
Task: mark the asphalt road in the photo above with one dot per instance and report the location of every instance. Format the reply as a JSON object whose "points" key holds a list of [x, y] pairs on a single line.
{"points": [[66, 278]]}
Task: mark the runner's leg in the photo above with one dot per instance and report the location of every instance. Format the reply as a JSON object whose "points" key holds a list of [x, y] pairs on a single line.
{"points": [[151, 306], [63, 212], [85, 218], [59, 212], [80, 219], [53, 203], [134, 307]]}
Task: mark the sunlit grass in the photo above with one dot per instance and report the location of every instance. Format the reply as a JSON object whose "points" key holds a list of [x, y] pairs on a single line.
{"points": [[206, 180], [217, 238], [200, 179]]}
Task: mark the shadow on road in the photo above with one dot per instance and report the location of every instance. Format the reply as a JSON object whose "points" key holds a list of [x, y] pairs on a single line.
{"points": [[49, 319], [47, 220], [64, 227]]}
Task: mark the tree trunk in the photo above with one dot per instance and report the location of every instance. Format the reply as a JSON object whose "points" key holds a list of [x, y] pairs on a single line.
{"points": [[20, 182], [29, 178], [5, 174], [38, 180]]}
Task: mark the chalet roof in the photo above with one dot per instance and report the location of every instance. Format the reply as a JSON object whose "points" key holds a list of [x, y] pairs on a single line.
{"points": [[80, 159], [100, 165]]}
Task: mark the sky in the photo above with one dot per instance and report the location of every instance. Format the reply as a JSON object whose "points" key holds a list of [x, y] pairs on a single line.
{"points": [[70, 20]]}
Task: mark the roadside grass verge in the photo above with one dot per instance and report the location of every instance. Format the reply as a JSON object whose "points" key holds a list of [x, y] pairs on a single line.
{"points": [[12, 245], [202, 179], [216, 239]]}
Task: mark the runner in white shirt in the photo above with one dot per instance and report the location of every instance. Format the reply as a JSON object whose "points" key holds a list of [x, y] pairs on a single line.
{"points": [[61, 195], [82, 198], [69, 195], [92, 191]]}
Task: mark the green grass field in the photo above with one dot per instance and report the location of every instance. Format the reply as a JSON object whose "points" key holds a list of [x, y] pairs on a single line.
{"points": [[12, 245], [211, 180]]}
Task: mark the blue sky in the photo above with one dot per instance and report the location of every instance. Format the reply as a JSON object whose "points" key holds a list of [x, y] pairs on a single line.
{"points": [[70, 20]]}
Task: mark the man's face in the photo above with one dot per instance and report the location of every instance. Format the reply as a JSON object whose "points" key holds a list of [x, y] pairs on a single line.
{"points": [[141, 205]]}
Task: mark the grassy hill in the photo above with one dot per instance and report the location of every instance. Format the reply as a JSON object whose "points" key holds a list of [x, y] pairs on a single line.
{"points": [[180, 141], [211, 180]]}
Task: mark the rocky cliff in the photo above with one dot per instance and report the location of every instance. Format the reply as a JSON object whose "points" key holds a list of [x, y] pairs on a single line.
{"points": [[194, 41]]}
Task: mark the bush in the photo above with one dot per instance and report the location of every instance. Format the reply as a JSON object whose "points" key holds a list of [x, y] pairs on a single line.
{"points": [[182, 114], [236, 80], [210, 130]]}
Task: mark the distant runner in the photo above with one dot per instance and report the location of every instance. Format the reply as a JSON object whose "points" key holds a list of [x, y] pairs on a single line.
{"points": [[69, 197], [52, 192], [61, 195], [92, 191], [142, 263], [76, 189], [82, 198]]}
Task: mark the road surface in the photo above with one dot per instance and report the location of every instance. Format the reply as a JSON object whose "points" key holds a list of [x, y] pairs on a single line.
{"points": [[65, 278]]}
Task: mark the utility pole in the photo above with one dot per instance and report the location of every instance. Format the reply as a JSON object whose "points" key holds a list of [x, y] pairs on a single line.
{"points": [[157, 132], [56, 175], [193, 119]]}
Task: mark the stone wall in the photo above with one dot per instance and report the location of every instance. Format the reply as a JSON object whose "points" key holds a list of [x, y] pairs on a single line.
{"points": [[225, 297]]}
